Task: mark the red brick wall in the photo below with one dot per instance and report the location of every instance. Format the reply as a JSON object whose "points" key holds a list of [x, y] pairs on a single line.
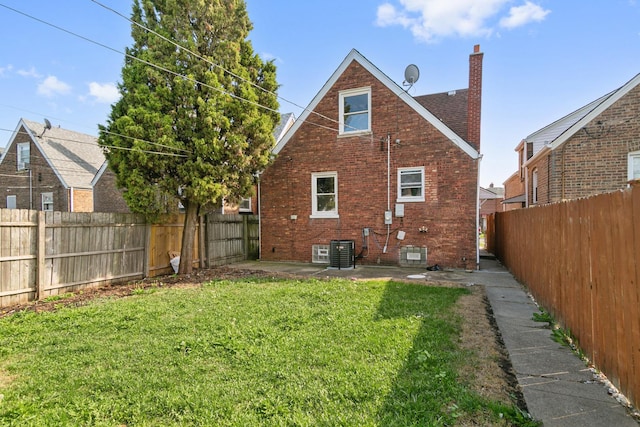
{"points": [[474, 107], [106, 196], [449, 210]]}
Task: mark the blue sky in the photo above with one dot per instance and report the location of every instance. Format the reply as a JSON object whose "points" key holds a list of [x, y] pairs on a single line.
{"points": [[543, 58]]}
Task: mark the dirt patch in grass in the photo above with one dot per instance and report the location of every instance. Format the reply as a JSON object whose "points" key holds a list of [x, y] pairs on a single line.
{"points": [[488, 370]]}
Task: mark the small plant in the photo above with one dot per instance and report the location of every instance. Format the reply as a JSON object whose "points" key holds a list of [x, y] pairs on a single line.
{"points": [[58, 297], [543, 316]]}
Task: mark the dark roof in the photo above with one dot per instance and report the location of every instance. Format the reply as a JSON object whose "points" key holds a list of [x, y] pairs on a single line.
{"points": [[515, 199], [449, 107]]}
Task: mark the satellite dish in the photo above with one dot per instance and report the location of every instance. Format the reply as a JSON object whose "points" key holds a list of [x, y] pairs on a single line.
{"points": [[47, 125], [411, 74]]}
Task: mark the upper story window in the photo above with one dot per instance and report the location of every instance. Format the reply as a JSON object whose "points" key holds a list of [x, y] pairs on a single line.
{"points": [[355, 111], [324, 195], [633, 170], [23, 155], [411, 184]]}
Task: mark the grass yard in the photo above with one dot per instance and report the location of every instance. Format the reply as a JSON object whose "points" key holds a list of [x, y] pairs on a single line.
{"points": [[248, 352]]}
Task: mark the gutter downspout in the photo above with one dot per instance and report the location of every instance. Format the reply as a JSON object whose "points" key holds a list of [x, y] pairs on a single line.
{"points": [[478, 215]]}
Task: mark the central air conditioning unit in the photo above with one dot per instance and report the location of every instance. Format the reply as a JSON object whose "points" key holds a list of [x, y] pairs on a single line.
{"points": [[342, 254]]}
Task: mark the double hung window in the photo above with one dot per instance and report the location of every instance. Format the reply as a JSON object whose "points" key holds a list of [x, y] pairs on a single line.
{"points": [[355, 111], [324, 195]]}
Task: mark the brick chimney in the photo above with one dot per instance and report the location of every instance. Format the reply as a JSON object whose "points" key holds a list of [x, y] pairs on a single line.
{"points": [[474, 103]]}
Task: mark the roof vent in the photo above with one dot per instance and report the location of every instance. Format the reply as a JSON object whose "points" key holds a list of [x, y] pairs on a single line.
{"points": [[451, 92]]}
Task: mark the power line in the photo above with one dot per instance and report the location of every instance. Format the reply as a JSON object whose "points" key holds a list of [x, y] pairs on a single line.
{"points": [[209, 62], [167, 70], [105, 146]]}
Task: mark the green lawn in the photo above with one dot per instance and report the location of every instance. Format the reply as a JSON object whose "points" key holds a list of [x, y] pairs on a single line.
{"points": [[244, 353]]}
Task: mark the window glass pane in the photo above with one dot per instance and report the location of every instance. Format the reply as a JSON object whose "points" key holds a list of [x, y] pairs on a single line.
{"points": [[356, 122], [411, 178], [356, 103], [325, 185], [326, 202], [636, 167]]}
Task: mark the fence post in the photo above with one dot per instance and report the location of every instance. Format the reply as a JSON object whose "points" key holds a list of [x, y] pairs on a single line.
{"points": [[245, 236], [40, 252]]}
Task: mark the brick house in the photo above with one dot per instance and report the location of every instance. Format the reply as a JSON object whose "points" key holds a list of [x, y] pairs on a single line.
{"points": [[106, 195], [593, 150], [49, 168], [369, 167], [490, 202]]}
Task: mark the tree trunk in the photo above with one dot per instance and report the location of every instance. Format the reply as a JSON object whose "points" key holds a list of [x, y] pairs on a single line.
{"points": [[188, 235]]}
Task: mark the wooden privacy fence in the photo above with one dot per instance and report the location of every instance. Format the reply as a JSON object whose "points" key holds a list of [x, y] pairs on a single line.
{"points": [[581, 261], [48, 253]]}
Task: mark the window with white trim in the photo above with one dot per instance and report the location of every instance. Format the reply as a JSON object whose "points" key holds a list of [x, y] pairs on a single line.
{"points": [[411, 184], [355, 111], [23, 155], [633, 170], [324, 195], [47, 201], [245, 205]]}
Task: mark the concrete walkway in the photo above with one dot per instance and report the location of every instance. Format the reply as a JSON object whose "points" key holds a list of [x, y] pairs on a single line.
{"points": [[558, 388]]}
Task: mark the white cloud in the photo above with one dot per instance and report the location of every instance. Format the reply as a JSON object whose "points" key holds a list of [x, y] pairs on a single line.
{"points": [[522, 15], [106, 93], [52, 86], [31, 72], [6, 69], [430, 20]]}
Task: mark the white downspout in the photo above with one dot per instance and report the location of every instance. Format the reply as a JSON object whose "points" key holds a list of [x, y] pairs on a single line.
{"points": [[478, 215], [70, 199], [386, 244]]}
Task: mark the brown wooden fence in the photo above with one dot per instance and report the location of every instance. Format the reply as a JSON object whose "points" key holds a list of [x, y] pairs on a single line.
{"points": [[581, 261], [48, 253]]}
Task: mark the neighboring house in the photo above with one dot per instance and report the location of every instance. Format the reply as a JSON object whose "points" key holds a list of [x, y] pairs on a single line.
{"points": [[490, 202], [593, 150], [370, 171], [49, 168], [106, 195]]}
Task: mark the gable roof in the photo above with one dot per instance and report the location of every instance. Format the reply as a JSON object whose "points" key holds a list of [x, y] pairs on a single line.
{"points": [[557, 133], [74, 157], [286, 121], [354, 55]]}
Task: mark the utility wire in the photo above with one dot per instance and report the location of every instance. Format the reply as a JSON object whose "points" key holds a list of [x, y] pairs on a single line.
{"points": [[209, 61], [104, 146]]}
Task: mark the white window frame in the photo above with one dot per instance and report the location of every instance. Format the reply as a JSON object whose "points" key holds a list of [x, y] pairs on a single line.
{"points": [[354, 92], [245, 201], [534, 185], [401, 172], [22, 160], [14, 203], [47, 206], [634, 155], [315, 213]]}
